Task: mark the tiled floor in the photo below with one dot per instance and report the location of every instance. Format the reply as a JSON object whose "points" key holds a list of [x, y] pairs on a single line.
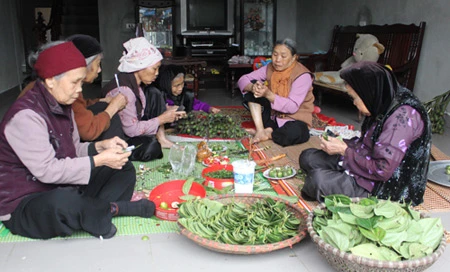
{"points": [[173, 252]]}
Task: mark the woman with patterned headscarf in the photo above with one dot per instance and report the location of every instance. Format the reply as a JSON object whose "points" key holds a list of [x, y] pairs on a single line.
{"points": [[390, 159], [146, 113]]}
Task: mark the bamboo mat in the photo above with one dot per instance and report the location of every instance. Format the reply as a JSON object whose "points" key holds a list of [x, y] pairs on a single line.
{"points": [[293, 185], [436, 197]]}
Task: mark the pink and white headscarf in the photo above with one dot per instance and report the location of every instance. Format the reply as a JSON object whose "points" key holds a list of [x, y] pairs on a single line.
{"points": [[139, 55]]}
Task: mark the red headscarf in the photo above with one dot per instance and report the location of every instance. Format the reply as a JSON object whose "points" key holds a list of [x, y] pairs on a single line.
{"points": [[59, 59]]}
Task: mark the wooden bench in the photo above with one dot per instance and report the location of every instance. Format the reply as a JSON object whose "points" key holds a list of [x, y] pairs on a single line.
{"points": [[402, 51]]}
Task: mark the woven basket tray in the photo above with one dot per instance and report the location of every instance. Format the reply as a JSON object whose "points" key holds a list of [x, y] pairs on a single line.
{"points": [[250, 249], [343, 261]]}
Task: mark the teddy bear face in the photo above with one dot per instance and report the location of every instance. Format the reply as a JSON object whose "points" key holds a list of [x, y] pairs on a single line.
{"points": [[366, 48]]}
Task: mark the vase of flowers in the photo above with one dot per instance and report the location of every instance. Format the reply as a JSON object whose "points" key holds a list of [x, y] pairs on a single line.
{"points": [[253, 19]]}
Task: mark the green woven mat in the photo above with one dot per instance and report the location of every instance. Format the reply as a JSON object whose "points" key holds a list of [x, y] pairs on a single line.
{"points": [[148, 179]]}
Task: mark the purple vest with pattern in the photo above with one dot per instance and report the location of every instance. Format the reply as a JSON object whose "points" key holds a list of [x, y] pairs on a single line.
{"points": [[16, 181]]}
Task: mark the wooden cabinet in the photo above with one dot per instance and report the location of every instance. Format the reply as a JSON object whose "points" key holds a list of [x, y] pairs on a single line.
{"points": [[156, 23], [257, 27]]}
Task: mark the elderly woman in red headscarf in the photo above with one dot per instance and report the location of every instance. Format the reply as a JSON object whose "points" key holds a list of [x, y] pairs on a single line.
{"points": [[50, 183]]}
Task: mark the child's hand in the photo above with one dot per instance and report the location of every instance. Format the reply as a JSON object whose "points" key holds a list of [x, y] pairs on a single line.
{"points": [[214, 110]]}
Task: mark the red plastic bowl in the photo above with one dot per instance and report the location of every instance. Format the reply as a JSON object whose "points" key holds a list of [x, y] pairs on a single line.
{"points": [[170, 192], [217, 183]]}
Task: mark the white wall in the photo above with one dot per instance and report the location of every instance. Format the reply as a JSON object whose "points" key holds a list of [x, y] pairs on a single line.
{"points": [[316, 19], [286, 19], [11, 46]]}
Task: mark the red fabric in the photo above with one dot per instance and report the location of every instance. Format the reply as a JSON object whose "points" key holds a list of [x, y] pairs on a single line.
{"points": [[59, 59]]}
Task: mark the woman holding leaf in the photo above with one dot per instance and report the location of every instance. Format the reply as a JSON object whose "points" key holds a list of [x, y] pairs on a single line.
{"points": [[390, 159]]}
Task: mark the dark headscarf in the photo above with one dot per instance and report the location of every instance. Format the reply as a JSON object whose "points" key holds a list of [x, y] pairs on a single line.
{"points": [[166, 75], [88, 46], [375, 84]]}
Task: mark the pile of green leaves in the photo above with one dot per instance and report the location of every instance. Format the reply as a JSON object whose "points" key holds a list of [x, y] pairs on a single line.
{"points": [[220, 174], [265, 221], [377, 229], [211, 125]]}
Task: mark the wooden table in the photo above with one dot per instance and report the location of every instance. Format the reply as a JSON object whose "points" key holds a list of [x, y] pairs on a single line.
{"points": [[233, 69]]}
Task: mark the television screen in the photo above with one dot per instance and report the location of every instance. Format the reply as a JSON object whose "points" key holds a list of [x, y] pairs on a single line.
{"points": [[206, 15]]}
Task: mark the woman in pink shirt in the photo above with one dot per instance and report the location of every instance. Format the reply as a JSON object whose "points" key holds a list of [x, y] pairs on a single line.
{"points": [[145, 114], [279, 96]]}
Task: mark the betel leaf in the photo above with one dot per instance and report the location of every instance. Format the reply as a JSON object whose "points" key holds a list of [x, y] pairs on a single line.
{"points": [[212, 207], [414, 250], [368, 202], [432, 232], [417, 250], [336, 237], [368, 223], [386, 209], [394, 239], [187, 197], [394, 224], [376, 234], [361, 211], [187, 185], [414, 232], [333, 201], [414, 214], [372, 251], [348, 218]]}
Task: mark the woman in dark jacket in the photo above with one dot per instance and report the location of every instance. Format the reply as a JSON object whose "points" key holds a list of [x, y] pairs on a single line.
{"points": [[171, 83], [390, 159]]}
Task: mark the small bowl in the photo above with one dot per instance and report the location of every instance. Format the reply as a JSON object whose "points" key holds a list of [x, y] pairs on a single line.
{"points": [[170, 192], [217, 183]]}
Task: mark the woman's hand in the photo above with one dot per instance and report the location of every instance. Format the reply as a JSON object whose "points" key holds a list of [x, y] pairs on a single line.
{"points": [[117, 103], [333, 146], [214, 110], [112, 143], [261, 90], [113, 157], [171, 115]]}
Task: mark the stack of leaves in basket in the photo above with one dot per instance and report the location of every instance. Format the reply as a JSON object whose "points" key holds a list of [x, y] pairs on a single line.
{"points": [[265, 221], [377, 229]]}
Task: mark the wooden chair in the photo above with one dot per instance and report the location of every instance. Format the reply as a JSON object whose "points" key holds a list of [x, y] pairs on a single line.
{"points": [[402, 51]]}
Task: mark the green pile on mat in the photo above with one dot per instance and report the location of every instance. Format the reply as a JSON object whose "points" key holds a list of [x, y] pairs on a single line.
{"points": [[148, 179]]}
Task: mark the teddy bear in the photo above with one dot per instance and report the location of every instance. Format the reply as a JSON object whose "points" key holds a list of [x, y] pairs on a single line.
{"points": [[366, 48]]}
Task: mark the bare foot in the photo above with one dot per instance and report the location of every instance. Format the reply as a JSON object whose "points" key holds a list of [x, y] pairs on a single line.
{"points": [[260, 136], [165, 143], [251, 131]]}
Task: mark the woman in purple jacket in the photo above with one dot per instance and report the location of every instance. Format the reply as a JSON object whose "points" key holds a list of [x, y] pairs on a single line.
{"points": [[171, 83], [391, 158]]}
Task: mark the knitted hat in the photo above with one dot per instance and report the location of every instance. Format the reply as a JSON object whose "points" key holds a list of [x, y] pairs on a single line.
{"points": [[88, 45], [139, 54], [58, 59]]}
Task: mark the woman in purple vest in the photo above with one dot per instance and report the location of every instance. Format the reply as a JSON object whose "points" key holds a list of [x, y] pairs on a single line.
{"points": [[390, 159], [51, 184]]}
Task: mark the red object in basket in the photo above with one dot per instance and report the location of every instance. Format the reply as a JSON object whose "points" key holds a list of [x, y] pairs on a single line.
{"points": [[217, 183], [170, 192]]}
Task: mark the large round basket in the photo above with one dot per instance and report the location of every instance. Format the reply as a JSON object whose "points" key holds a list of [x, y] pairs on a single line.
{"points": [[250, 249], [343, 261]]}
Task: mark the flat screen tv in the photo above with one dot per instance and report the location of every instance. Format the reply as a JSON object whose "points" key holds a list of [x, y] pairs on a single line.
{"points": [[213, 17]]}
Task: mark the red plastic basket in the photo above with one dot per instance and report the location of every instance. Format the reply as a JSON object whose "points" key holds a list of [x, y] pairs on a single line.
{"points": [[217, 183], [170, 192]]}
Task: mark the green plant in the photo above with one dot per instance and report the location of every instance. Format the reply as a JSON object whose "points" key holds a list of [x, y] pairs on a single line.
{"points": [[436, 111]]}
